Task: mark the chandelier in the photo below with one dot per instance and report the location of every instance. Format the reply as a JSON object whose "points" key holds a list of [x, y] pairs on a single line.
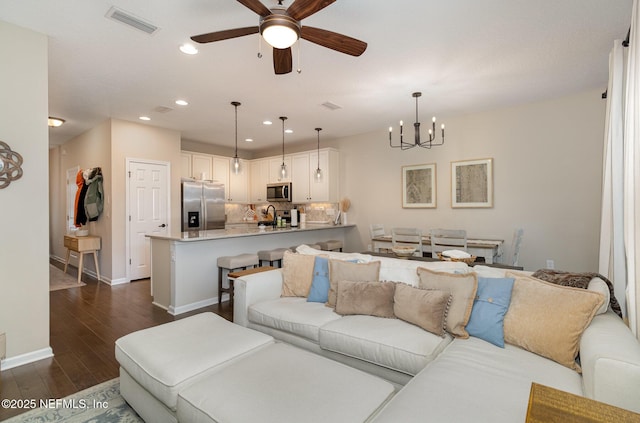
{"points": [[417, 143]]}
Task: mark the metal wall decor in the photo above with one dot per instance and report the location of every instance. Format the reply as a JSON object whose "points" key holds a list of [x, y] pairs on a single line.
{"points": [[10, 165]]}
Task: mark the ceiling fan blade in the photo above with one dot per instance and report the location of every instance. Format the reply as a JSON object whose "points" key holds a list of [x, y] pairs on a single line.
{"points": [[301, 9], [333, 40], [282, 62], [256, 6], [225, 35]]}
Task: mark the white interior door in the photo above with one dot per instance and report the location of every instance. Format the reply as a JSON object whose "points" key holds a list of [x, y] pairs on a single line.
{"points": [[148, 212]]}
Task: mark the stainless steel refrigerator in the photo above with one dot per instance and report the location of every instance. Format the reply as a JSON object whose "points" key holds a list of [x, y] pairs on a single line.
{"points": [[202, 205]]}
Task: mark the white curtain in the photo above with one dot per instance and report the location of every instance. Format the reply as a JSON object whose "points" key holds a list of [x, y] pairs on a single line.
{"points": [[632, 171], [620, 225]]}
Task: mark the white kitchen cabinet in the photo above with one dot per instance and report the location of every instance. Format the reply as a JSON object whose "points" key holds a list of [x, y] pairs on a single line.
{"points": [[239, 183], [259, 180], [185, 165], [275, 165], [201, 166], [306, 188]]}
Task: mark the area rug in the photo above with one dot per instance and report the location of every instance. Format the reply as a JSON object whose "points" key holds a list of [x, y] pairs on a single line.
{"points": [[98, 404], [60, 280]]}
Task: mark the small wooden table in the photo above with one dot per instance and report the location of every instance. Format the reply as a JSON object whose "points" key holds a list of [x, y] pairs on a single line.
{"points": [[549, 405], [82, 245]]}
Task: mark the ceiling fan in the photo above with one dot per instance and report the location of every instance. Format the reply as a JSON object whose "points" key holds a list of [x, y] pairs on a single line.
{"points": [[281, 28]]}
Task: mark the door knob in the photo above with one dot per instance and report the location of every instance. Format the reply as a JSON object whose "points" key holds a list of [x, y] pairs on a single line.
{"points": [[162, 226]]}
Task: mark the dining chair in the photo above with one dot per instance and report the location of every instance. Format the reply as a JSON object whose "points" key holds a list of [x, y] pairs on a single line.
{"points": [[407, 236], [376, 230], [447, 239], [515, 246]]}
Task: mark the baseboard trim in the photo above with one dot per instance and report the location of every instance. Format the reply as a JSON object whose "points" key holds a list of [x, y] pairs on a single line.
{"points": [[93, 274], [174, 311], [22, 359]]}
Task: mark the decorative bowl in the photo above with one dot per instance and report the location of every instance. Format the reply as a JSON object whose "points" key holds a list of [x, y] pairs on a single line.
{"points": [[403, 251], [82, 232], [467, 260]]}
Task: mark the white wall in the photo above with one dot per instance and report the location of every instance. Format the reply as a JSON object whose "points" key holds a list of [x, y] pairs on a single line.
{"points": [[547, 179], [24, 204]]}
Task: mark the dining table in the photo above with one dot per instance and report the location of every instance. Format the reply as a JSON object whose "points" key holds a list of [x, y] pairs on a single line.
{"points": [[489, 249]]}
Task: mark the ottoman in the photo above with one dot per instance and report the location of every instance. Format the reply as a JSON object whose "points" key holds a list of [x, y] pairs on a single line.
{"points": [[157, 363], [281, 383]]}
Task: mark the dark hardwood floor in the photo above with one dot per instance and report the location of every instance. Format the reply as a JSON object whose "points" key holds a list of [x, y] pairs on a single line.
{"points": [[84, 325]]}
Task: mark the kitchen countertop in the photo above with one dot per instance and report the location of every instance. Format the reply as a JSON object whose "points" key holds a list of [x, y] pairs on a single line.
{"points": [[240, 231]]}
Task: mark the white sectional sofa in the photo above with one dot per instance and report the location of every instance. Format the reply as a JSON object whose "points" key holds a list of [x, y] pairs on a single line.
{"points": [[441, 379]]}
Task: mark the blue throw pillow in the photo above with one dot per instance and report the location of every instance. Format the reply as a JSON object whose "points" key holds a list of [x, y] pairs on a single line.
{"points": [[491, 304], [319, 291]]}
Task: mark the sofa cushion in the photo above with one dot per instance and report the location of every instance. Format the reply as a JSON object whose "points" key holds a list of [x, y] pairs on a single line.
{"points": [[297, 274], [400, 270], [473, 378], [319, 291], [489, 307], [462, 287], [425, 308], [549, 319], [370, 298], [293, 315], [390, 343], [346, 271]]}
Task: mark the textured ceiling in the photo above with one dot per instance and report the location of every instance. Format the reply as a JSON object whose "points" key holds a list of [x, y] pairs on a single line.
{"points": [[464, 56]]}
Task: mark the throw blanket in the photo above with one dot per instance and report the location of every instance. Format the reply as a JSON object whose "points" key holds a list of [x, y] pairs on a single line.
{"points": [[577, 280]]}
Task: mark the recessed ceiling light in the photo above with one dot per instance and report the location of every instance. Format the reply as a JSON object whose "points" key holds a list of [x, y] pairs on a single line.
{"points": [[144, 118], [188, 49], [267, 122], [182, 102], [249, 140], [55, 122], [289, 131]]}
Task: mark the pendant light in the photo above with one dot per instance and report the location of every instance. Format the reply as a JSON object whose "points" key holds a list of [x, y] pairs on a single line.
{"points": [[236, 160], [417, 143], [283, 168], [318, 173]]}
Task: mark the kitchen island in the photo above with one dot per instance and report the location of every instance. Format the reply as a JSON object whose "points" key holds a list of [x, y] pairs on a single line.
{"points": [[184, 271]]}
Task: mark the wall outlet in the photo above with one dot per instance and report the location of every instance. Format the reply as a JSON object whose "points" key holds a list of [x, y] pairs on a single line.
{"points": [[551, 264]]}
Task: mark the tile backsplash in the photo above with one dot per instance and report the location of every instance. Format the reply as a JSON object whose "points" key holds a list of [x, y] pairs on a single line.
{"points": [[315, 212]]}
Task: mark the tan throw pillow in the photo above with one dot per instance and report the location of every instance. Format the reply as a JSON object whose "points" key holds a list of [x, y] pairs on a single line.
{"points": [[297, 274], [462, 287], [426, 308], [549, 319], [370, 298], [346, 271]]}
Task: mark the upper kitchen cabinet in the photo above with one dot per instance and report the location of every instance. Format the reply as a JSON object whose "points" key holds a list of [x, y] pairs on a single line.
{"points": [[275, 166], [259, 180], [239, 182], [306, 187], [196, 165]]}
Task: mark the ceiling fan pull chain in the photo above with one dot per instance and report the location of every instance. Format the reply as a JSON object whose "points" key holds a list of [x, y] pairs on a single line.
{"points": [[299, 70], [259, 47]]}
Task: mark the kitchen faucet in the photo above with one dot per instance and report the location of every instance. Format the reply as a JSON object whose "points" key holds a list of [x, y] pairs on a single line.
{"points": [[274, 213]]}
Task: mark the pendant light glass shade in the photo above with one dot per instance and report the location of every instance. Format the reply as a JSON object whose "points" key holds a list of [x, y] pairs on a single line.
{"points": [[318, 172], [236, 160], [283, 168]]}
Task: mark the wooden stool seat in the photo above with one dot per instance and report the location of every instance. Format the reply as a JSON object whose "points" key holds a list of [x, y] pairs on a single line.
{"points": [[275, 255], [231, 263], [331, 245]]}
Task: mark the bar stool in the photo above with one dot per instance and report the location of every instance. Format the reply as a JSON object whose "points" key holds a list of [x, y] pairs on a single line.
{"points": [[331, 245], [231, 263], [272, 256]]}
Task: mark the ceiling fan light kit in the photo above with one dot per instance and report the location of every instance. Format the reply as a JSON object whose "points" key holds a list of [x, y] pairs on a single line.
{"points": [[280, 31], [281, 28], [417, 142]]}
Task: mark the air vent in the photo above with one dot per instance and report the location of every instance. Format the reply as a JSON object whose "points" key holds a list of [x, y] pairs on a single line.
{"points": [[162, 109], [331, 106], [130, 20]]}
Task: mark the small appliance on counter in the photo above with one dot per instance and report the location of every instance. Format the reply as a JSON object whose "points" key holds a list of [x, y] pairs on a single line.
{"points": [[294, 218], [202, 205]]}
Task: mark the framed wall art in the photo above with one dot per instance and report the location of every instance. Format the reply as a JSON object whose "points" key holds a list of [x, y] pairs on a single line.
{"points": [[472, 183], [419, 186]]}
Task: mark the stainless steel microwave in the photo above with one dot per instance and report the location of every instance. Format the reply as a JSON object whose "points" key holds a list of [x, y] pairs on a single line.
{"points": [[279, 192]]}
